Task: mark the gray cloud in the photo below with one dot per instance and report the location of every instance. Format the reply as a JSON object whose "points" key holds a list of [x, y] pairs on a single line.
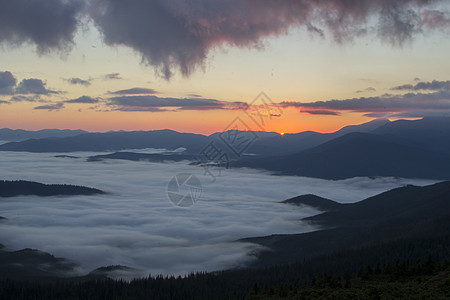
{"points": [[434, 85], [412, 102], [134, 91], [112, 76], [33, 86], [51, 107], [78, 81], [7, 83], [137, 225], [154, 103], [83, 99], [369, 89], [49, 24]]}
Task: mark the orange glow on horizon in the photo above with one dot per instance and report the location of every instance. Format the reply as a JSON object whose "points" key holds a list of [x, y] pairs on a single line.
{"points": [[203, 122]]}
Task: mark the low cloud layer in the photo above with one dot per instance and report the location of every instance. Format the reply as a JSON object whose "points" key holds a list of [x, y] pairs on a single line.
{"points": [[138, 226], [178, 34]]}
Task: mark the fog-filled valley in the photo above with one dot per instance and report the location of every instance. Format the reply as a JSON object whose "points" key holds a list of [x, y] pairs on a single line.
{"points": [[136, 225]]}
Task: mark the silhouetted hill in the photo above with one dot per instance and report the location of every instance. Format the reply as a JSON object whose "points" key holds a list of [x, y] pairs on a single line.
{"points": [[112, 141], [30, 263], [7, 134], [314, 201], [24, 188], [402, 213], [403, 203], [430, 133], [359, 154]]}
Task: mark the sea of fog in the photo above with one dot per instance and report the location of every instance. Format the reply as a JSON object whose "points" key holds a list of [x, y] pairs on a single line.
{"points": [[136, 224]]}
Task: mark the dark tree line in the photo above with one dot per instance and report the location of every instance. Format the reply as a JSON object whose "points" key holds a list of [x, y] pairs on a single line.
{"points": [[350, 271]]}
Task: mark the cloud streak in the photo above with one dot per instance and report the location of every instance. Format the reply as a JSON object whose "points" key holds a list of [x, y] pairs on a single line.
{"points": [[50, 107], [418, 103], [83, 100], [156, 104], [134, 91]]}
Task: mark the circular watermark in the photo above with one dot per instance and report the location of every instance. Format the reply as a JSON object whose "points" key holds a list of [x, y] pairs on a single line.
{"points": [[184, 189]]}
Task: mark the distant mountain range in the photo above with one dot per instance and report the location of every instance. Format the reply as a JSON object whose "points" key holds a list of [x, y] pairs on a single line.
{"points": [[265, 143], [403, 148], [15, 135], [401, 213], [111, 141]]}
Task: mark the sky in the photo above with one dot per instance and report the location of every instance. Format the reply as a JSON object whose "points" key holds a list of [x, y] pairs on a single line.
{"points": [[195, 66]]}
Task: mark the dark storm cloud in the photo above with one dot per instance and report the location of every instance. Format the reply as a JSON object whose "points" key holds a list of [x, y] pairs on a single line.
{"points": [[7, 83], [83, 100], [411, 102], [175, 35], [134, 91], [49, 24], [78, 81], [50, 107], [154, 103], [33, 86], [170, 34], [434, 85]]}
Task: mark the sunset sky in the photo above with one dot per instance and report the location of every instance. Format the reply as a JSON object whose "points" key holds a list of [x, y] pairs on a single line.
{"points": [[194, 66]]}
